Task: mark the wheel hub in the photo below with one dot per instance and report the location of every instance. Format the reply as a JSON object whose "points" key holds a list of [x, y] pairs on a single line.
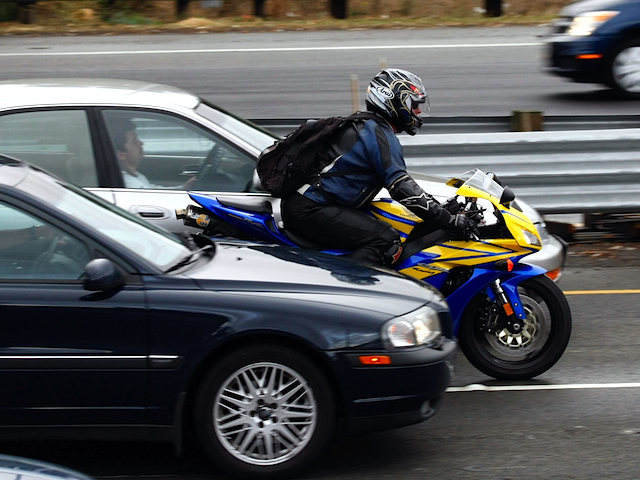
{"points": [[265, 414], [515, 326], [518, 335], [510, 343]]}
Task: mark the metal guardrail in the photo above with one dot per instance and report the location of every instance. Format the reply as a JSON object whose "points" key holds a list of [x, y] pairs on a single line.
{"points": [[495, 124], [587, 164]]}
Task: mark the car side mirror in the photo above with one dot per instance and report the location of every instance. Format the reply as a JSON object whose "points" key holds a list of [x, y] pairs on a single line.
{"points": [[102, 275]]}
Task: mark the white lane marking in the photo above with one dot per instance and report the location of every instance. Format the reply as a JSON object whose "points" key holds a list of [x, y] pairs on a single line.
{"points": [[476, 387], [252, 50]]}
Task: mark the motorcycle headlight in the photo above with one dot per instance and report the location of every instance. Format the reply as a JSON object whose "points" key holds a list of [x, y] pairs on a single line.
{"points": [[586, 23], [531, 238], [419, 327]]}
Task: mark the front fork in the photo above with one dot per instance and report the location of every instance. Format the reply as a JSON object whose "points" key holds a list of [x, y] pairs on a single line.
{"points": [[507, 298]]}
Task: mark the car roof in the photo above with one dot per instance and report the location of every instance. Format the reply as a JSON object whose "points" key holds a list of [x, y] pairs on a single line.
{"points": [[91, 91]]}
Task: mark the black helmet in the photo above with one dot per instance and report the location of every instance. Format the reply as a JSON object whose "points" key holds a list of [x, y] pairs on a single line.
{"points": [[393, 94]]}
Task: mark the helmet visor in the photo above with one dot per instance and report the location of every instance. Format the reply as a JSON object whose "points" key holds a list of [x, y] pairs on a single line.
{"points": [[415, 101]]}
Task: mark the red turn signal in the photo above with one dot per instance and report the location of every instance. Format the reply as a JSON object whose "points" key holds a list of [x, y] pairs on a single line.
{"points": [[375, 360]]}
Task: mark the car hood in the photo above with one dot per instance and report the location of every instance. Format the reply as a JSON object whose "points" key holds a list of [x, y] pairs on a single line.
{"points": [[588, 6], [275, 270]]}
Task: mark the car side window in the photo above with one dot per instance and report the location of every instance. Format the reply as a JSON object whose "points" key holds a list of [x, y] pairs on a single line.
{"points": [[156, 150], [33, 249], [57, 141]]}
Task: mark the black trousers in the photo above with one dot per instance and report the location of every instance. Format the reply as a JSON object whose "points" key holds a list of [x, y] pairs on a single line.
{"points": [[337, 226]]}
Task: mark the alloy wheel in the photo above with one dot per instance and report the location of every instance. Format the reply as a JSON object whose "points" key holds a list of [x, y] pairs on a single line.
{"points": [[626, 70], [265, 413]]}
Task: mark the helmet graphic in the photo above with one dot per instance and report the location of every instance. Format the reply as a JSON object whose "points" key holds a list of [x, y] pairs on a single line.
{"points": [[394, 94]]}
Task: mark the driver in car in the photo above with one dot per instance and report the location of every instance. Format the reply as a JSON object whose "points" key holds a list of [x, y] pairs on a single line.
{"points": [[130, 153]]}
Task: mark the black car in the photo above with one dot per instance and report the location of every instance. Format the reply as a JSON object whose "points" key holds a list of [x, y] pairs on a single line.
{"points": [[111, 328], [598, 41]]}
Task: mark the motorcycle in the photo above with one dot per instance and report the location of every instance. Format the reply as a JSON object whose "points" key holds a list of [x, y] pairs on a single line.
{"points": [[511, 320]]}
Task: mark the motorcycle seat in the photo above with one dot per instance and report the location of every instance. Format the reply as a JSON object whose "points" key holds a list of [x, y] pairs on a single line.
{"points": [[256, 204]]}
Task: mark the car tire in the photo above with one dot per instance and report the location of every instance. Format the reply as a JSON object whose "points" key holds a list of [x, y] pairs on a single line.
{"points": [[264, 412], [624, 69]]}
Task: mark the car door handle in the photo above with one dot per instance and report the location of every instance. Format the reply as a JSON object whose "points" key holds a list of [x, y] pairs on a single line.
{"points": [[149, 211]]}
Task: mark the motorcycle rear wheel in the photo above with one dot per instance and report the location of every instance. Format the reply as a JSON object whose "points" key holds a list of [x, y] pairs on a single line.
{"points": [[543, 340]]}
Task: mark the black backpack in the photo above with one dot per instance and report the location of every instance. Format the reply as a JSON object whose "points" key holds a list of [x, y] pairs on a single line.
{"points": [[287, 164]]}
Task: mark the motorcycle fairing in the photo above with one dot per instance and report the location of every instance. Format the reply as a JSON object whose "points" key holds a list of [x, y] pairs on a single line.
{"points": [[448, 255], [400, 218], [460, 298]]}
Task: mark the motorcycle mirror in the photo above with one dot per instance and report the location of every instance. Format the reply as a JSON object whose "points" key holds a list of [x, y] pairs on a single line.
{"points": [[494, 177], [507, 196]]}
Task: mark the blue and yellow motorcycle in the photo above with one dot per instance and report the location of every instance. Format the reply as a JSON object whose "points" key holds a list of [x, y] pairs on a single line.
{"points": [[511, 320]]}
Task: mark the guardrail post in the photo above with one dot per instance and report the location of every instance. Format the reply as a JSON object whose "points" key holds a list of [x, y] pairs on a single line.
{"points": [[526, 121], [355, 93]]}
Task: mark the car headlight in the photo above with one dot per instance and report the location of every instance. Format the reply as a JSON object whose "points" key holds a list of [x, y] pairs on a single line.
{"points": [[531, 238], [586, 23], [419, 327]]}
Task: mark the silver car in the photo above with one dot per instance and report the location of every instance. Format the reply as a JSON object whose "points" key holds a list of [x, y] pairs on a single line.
{"points": [[141, 146], [19, 468]]}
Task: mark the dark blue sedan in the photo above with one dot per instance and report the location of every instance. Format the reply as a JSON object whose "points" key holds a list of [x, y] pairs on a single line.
{"points": [[598, 41], [111, 328]]}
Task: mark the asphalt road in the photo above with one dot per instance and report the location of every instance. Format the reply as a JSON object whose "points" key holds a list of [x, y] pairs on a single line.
{"points": [[467, 71], [581, 419]]}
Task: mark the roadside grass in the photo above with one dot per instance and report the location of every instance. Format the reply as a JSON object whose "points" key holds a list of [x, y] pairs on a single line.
{"points": [[98, 17]]}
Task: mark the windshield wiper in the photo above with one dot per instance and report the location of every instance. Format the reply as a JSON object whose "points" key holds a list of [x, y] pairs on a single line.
{"points": [[192, 257]]}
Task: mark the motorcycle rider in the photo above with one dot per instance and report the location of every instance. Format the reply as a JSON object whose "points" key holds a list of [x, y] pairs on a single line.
{"points": [[331, 212]]}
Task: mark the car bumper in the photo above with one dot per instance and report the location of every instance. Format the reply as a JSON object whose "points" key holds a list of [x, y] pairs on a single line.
{"points": [[406, 392], [582, 59], [551, 256]]}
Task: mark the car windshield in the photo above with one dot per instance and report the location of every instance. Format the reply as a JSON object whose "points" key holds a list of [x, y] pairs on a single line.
{"points": [[254, 135], [155, 245]]}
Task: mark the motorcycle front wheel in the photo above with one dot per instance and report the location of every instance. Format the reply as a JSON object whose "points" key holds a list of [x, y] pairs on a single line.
{"points": [[504, 355]]}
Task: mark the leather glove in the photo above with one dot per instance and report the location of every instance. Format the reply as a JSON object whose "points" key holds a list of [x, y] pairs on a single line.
{"points": [[463, 226], [452, 205]]}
